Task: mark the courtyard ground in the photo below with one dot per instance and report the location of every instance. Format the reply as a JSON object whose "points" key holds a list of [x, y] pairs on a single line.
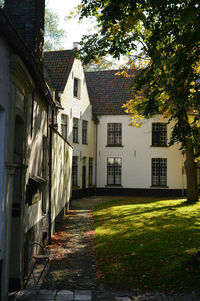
{"points": [[79, 263]]}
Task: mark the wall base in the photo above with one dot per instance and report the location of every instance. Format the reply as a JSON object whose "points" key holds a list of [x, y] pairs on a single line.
{"points": [[80, 193], [162, 192], [1, 266]]}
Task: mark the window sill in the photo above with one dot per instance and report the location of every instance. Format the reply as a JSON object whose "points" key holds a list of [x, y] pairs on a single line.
{"points": [[114, 145], [159, 186], [75, 187], [76, 142], [159, 146], [113, 185], [84, 143]]}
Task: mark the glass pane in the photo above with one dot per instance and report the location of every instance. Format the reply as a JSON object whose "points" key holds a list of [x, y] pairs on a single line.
{"points": [[110, 161]]}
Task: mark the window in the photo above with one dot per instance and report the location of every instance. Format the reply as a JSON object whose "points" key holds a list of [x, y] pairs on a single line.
{"points": [[77, 87], [64, 126], [114, 134], [159, 134], [114, 166], [75, 130], [159, 172], [75, 171], [84, 131], [90, 171]]}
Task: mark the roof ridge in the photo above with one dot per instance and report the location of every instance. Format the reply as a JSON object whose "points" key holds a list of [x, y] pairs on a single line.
{"points": [[102, 71], [62, 50]]}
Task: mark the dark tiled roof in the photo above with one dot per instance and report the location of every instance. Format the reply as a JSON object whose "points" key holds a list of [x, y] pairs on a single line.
{"points": [[58, 65], [108, 91]]}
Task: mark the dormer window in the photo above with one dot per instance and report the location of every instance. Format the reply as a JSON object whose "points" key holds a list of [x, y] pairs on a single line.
{"points": [[77, 87]]}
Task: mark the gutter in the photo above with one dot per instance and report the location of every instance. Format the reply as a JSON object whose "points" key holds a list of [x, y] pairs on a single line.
{"points": [[50, 172]]}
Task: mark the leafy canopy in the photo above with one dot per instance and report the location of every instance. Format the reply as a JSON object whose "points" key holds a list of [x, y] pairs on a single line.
{"points": [[165, 32], [54, 36]]}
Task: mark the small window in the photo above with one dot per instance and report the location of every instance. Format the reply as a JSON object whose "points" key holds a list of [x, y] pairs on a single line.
{"points": [[90, 171], [159, 172], [84, 131], [64, 119], [159, 134], [75, 130], [77, 87], [75, 171], [114, 166], [114, 134]]}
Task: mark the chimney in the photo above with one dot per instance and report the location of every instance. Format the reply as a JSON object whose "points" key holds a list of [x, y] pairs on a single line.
{"points": [[28, 18], [75, 45]]}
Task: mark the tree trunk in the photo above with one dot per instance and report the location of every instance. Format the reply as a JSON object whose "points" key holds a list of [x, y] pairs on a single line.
{"points": [[191, 174]]}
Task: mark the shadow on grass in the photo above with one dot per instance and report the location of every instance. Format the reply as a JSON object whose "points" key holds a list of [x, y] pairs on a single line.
{"points": [[149, 244]]}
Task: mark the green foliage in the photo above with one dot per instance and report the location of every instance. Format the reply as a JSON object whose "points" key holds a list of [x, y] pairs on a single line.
{"points": [[54, 36], [100, 65], [167, 33], [148, 244]]}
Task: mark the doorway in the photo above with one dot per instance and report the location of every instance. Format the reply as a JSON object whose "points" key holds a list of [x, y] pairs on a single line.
{"points": [[83, 178], [16, 226]]}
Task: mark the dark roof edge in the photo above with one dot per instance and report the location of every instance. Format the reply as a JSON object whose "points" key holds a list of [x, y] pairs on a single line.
{"points": [[13, 38], [109, 113]]}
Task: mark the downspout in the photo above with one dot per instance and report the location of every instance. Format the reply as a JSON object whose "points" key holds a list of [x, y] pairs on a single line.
{"points": [[183, 171], [96, 121], [50, 170]]}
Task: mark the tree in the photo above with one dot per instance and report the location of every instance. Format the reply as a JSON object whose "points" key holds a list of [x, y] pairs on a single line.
{"points": [[1, 3], [100, 65], [53, 39], [168, 35]]}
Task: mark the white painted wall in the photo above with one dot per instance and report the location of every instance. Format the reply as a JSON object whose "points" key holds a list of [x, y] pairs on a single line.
{"points": [[4, 79], [34, 155], [79, 108], [136, 154], [61, 176]]}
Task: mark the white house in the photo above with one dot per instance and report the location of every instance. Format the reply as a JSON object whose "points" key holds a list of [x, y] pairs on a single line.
{"points": [[27, 159], [131, 161], [74, 117]]}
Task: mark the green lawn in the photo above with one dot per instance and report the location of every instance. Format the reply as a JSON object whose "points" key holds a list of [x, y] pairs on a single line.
{"points": [[149, 244]]}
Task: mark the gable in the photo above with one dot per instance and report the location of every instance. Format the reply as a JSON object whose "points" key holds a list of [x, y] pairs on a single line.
{"points": [[57, 67]]}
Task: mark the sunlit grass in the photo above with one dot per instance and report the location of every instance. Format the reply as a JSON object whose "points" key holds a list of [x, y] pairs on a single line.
{"points": [[149, 244]]}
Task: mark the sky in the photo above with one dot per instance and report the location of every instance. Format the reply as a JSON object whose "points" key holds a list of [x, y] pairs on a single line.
{"points": [[73, 29]]}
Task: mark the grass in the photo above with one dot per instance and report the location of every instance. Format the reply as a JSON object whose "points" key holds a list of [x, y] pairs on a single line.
{"points": [[149, 244]]}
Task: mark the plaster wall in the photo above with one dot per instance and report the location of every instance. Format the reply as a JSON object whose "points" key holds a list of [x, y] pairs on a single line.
{"points": [[136, 154], [78, 108], [4, 92], [6, 139], [34, 156], [61, 177]]}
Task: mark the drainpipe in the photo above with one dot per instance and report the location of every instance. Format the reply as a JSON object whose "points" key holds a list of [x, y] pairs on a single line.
{"points": [[96, 122], [50, 171], [183, 169]]}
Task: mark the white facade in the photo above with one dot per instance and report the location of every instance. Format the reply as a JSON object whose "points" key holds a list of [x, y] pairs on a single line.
{"points": [[136, 154], [78, 107], [61, 178]]}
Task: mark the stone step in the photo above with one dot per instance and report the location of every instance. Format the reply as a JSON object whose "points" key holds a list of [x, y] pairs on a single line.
{"points": [[49, 295]]}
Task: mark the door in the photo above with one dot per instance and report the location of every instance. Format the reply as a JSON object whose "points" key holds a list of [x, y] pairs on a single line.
{"points": [[83, 177], [15, 252]]}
